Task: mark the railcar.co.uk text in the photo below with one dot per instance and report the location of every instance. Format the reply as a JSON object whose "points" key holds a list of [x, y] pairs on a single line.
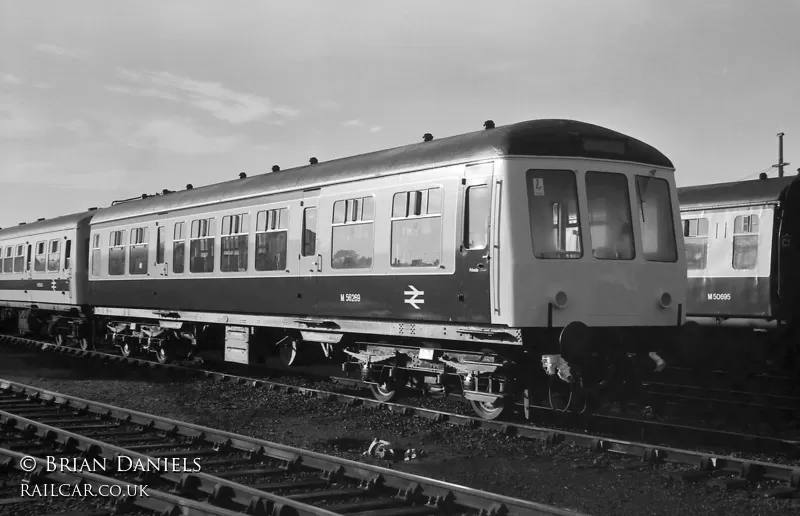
{"points": [[99, 466]]}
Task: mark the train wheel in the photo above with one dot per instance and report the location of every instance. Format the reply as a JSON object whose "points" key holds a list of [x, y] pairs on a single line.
{"points": [[126, 350], [83, 342], [383, 391], [59, 339], [289, 352], [488, 410], [162, 356]]}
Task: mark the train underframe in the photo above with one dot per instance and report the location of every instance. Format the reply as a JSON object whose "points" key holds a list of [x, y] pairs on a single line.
{"points": [[745, 346], [492, 377], [65, 327], [558, 368]]}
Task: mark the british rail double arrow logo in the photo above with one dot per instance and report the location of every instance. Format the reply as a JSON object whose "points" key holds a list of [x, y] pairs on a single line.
{"points": [[416, 297]]}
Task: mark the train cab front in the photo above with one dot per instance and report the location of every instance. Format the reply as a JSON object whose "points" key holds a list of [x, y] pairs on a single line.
{"points": [[606, 277]]}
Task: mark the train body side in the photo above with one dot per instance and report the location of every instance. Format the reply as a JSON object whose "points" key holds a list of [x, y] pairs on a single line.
{"points": [[741, 252], [44, 264]]}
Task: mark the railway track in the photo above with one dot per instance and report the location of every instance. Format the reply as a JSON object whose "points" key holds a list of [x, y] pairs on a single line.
{"points": [[763, 383], [704, 462], [201, 470], [775, 406]]}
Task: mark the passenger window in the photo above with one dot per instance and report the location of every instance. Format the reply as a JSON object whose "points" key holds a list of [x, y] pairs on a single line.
{"points": [[116, 253], [96, 254], [271, 232], [745, 242], [67, 254], [695, 241], [8, 259], [609, 207], [179, 248], [352, 234], [554, 215], [19, 259], [655, 217], [40, 263], [309, 232], [417, 228], [54, 256], [476, 217], [28, 260], [235, 229], [138, 251], [201, 246], [160, 241]]}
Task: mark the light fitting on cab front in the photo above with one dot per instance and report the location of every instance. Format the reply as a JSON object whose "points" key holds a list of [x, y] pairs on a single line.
{"points": [[665, 300], [560, 299]]}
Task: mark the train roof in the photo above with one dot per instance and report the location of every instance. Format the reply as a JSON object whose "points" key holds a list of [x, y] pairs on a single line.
{"points": [[61, 223], [737, 193], [531, 138]]}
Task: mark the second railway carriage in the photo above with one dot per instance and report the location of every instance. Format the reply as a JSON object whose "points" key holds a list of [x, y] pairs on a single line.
{"points": [[43, 278], [742, 251], [479, 259]]}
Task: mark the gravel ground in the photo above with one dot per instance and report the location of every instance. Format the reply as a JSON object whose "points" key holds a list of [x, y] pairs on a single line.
{"points": [[562, 475]]}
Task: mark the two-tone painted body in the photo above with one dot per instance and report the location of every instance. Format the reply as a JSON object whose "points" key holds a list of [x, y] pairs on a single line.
{"points": [[496, 254], [742, 250], [44, 264]]}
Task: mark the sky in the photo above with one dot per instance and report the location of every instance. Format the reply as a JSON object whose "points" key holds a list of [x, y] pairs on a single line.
{"points": [[108, 100]]}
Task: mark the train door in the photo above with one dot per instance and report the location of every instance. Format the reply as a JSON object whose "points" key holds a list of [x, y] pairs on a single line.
{"points": [[161, 266], [475, 248], [28, 274], [310, 257]]}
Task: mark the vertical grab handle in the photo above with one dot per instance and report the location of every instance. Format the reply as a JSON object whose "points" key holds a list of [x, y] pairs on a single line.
{"points": [[495, 262], [319, 263]]}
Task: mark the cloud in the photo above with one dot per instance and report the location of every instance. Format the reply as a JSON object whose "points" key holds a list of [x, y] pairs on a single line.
{"points": [[225, 104], [11, 79], [181, 136], [286, 111], [57, 175], [60, 51], [18, 122], [77, 126], [330, 105], [144, 92], [358, 123]]}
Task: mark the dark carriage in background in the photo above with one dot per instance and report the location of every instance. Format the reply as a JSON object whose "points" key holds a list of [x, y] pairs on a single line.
{"points": [[742, 242]]}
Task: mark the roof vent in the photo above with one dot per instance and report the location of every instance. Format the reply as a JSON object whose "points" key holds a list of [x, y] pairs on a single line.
{"points": [[275, 168], [39, 220], [93, 208], [427, 137], [144, 196], [242, 175], [762, 175], [489, 124], [22, 223], [313, 161], [189, 186], [166, 191]]}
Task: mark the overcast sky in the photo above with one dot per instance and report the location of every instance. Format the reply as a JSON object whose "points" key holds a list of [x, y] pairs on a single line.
{"points": [[106, 100]]}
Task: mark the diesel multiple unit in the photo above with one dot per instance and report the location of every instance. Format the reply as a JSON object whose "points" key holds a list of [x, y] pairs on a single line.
{"points": [[467, 262]]}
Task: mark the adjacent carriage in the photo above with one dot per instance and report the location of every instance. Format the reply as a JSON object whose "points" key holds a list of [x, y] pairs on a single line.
{"points": [[43, 275], [742, 248]]}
